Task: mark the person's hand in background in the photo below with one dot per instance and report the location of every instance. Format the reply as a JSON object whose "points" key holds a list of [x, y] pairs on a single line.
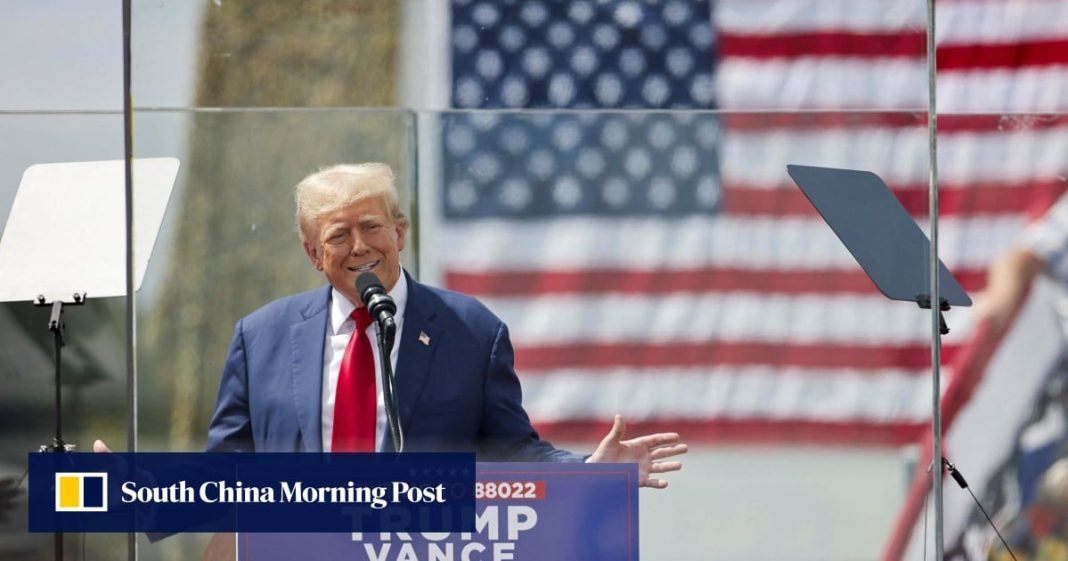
{"points": [[1009, 281]]}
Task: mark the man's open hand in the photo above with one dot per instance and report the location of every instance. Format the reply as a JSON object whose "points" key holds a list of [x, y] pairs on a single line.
{"points": [[649, 452]]}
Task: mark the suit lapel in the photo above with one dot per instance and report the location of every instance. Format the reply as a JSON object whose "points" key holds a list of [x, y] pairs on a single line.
{"points": [[307, 337], [419, 339]]}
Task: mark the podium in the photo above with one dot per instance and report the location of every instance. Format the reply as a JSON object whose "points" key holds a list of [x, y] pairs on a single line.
{"points": [[559, 511]]}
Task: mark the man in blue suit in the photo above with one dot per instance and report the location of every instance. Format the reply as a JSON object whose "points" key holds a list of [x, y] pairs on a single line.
{"points": [[455, 383]]}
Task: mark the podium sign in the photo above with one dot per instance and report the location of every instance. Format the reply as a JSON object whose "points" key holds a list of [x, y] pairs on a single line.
{"points": [[523, 512]]}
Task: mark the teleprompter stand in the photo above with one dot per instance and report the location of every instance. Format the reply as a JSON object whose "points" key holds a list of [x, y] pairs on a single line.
{"points": [[57, 328], [897, 256], [66, 237]]}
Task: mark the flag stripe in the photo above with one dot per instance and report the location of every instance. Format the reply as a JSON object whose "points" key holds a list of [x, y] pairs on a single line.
{"points": [[967, 22], [824, 43], [1030, 199], [779, 16], [493, 283], [1035, 89], [735, 393], [816, 83], [899, 156], [948, 125], [535, 282], [567, 399], [958, 20], [747, 431], [775, 243], [976, 57], [702, 316], [530, 359]]}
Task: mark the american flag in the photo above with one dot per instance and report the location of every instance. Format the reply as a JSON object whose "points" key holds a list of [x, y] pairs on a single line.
{"points": [[661, 265]]}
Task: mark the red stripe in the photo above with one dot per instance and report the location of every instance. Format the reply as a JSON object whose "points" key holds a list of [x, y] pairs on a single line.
{"points": [[776, 121], [1031, 199], [947, 123], [597, 356], [901, 44], [645, 281], [1005, 55], [745, 431]]}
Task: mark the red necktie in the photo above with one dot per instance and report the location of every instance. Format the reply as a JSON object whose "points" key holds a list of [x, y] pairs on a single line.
{"points": [[354, 399]]}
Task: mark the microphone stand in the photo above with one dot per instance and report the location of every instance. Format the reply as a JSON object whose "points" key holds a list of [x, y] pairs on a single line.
{"points": [[387, 332]]}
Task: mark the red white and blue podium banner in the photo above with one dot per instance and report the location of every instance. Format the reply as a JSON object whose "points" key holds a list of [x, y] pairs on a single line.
{"points": [[523, 512]]}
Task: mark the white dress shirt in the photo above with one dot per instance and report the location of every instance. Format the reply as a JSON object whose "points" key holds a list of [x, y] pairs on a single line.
{"points": [[338, 334]]}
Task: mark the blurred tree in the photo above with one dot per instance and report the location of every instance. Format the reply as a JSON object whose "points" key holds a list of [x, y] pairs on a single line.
{"points": [[235, 245]]}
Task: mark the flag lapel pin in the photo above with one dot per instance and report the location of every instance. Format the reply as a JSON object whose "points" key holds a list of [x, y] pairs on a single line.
{"points": [[424, 338]]}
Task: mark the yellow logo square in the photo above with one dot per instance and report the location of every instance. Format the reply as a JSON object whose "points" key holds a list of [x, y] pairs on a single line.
{"points": [[81, 492]]}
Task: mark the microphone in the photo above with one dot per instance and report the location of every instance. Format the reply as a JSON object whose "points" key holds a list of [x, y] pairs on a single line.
{"points": [[379, 304]]}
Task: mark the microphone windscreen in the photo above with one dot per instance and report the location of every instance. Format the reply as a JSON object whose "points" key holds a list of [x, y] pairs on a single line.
{"points": [[366, 281]]}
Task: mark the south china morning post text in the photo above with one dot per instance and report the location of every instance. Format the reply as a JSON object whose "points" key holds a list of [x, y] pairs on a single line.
{"points": [[172, 492], [209, 492]]}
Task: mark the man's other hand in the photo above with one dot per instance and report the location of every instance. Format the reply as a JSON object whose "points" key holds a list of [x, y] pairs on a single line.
{"points": [[649, 452]]}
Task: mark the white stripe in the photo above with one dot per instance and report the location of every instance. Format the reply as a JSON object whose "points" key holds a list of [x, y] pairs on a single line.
{"points": [[790, 16], [822, 83], [898, 155], [705, 317], [1000, 22], [1030, 89], [761, 242], [958, 22], [724, 393]]}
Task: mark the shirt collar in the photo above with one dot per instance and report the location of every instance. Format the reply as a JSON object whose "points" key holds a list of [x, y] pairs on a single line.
{"points": [[341, 308]]}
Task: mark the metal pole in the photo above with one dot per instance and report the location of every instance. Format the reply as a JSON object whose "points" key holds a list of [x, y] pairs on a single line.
{"points": [[936, 308], [57, 344], [131, 316], [57, 443]]}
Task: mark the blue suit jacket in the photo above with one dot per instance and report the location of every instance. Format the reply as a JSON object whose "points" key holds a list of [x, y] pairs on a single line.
{"points": [[459, 393]]}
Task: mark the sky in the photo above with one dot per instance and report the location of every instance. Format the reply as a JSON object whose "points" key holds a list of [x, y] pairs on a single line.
{"points": [[67, 54], [62, 100]]}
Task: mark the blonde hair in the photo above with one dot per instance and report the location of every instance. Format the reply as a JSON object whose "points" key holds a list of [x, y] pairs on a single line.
{"points": [[342, 185]]}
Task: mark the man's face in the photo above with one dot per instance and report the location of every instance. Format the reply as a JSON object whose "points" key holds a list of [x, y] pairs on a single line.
{"points": [[355, 239]]}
